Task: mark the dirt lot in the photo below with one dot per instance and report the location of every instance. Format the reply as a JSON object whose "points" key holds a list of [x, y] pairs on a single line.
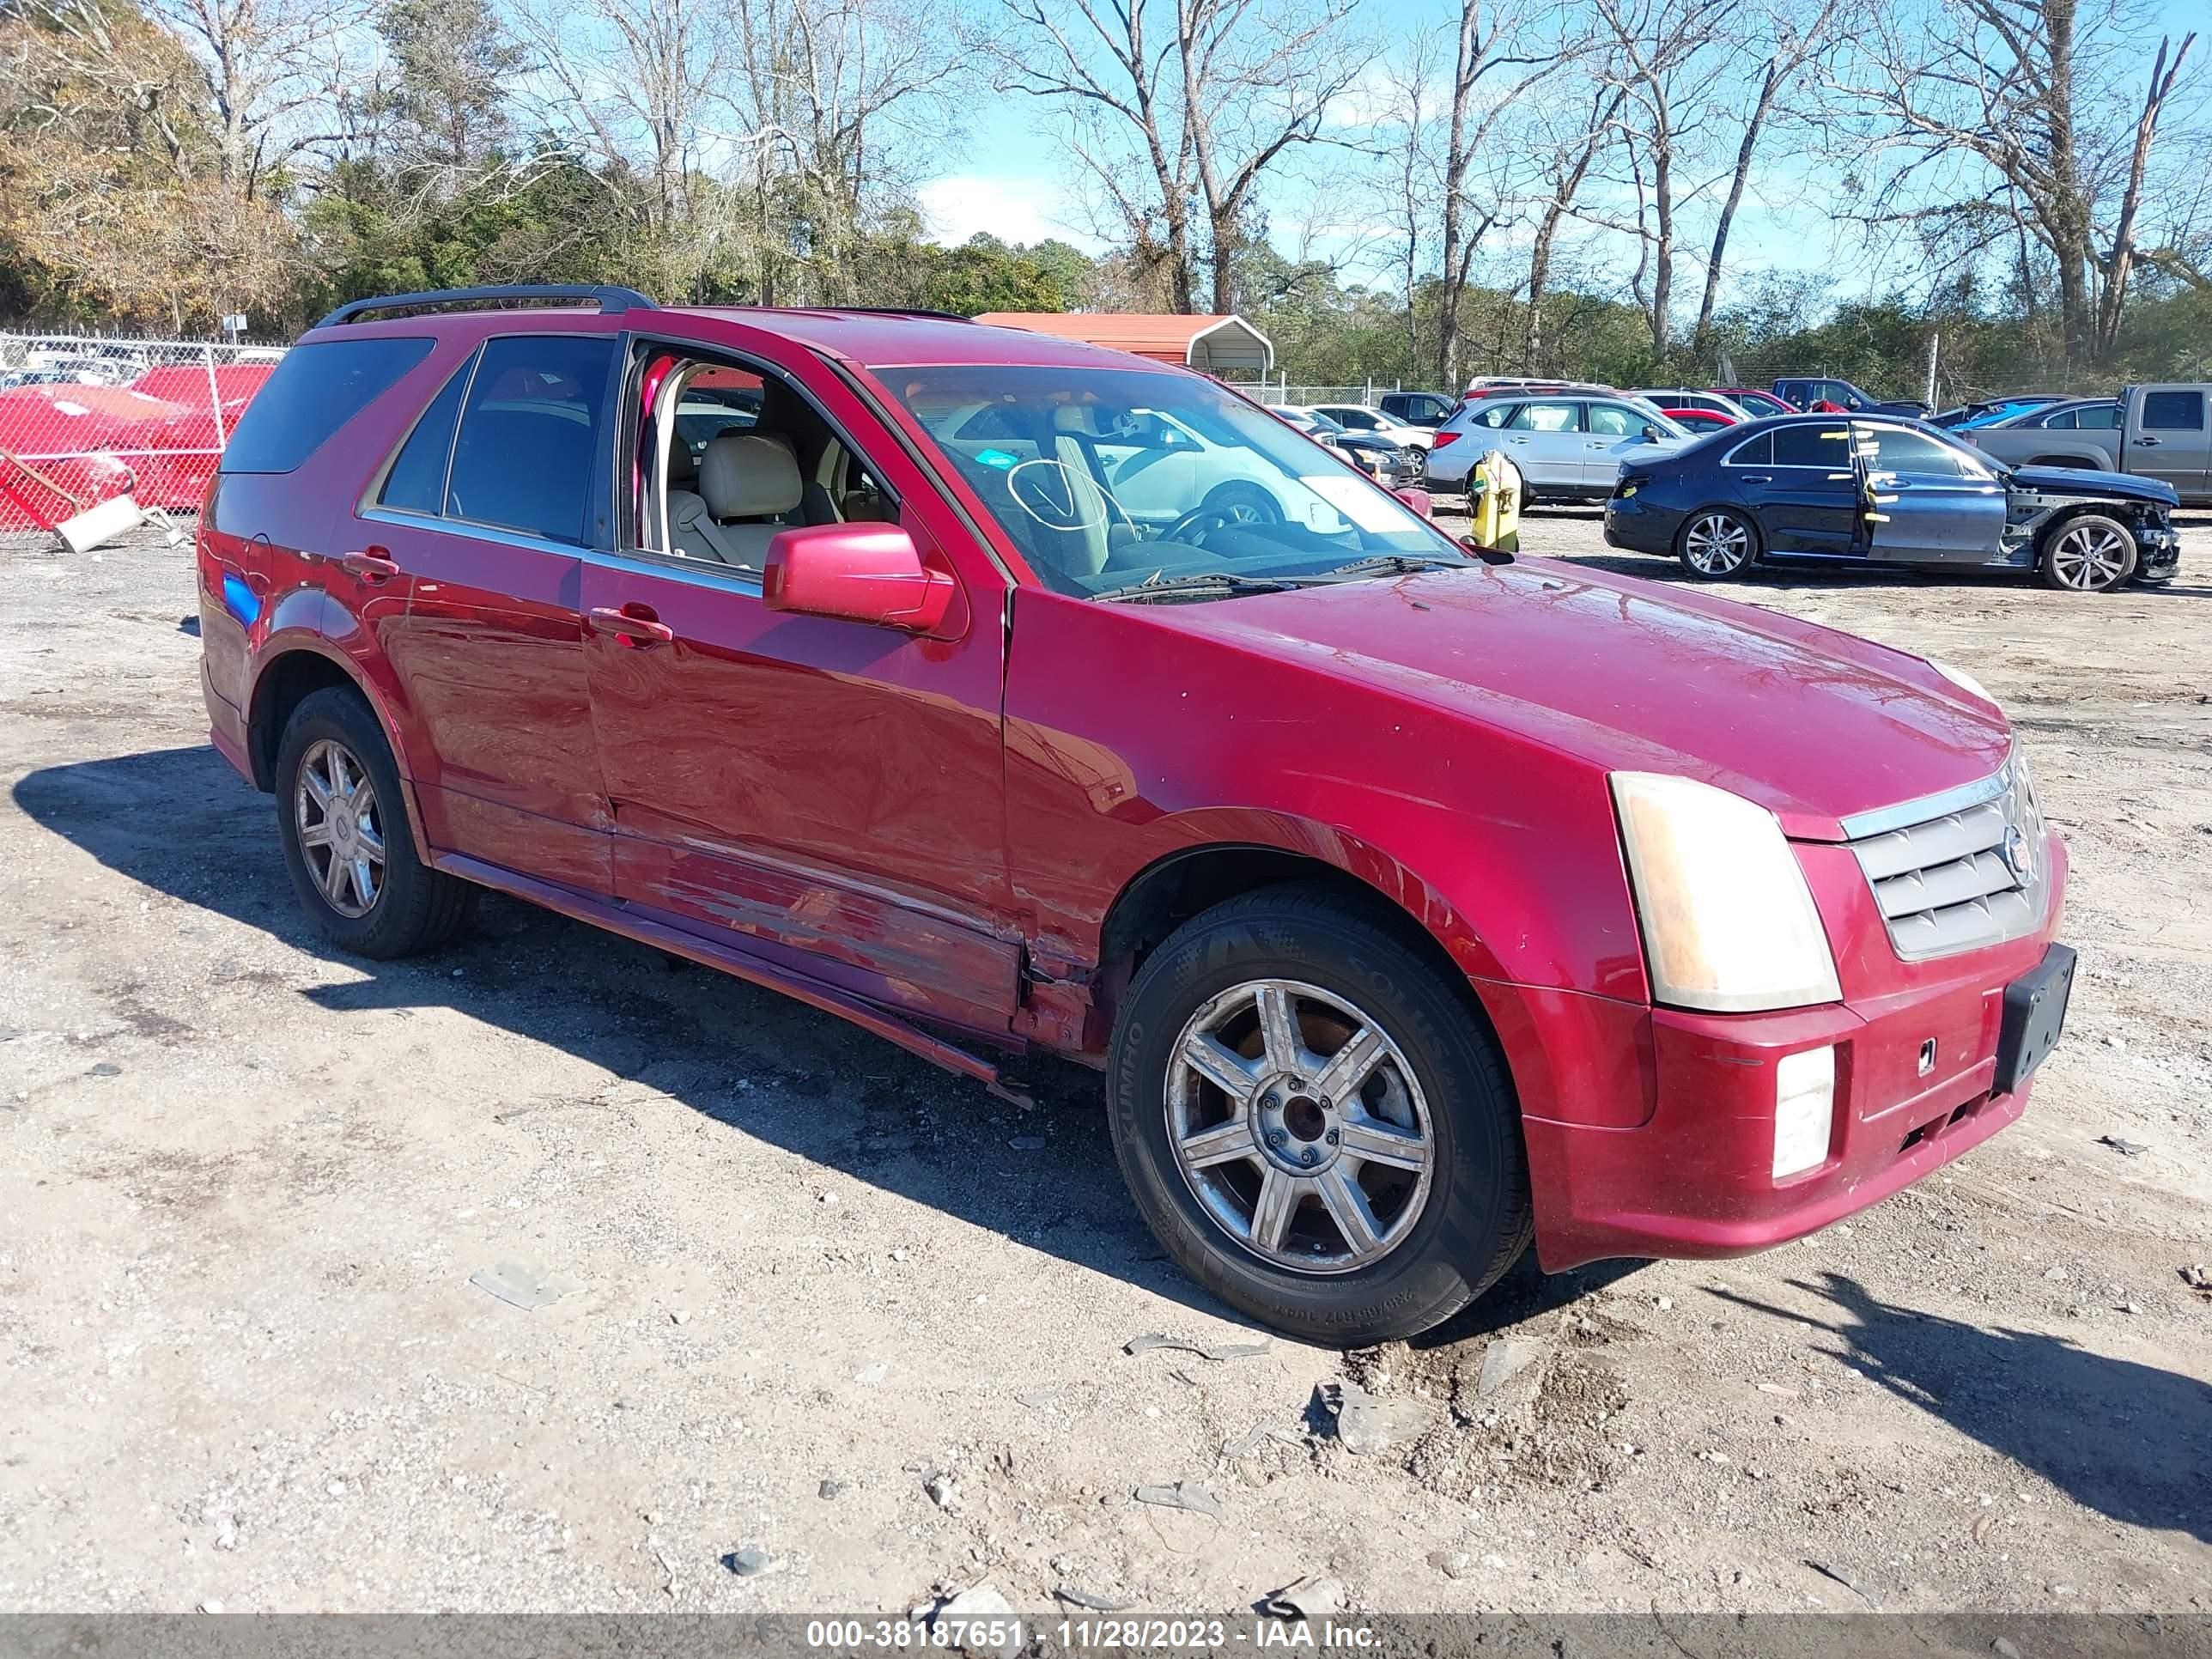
{"points": [[246, 1183]]}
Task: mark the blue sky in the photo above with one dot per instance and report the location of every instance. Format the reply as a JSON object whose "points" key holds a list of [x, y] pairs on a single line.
{"points": [[1009, 181]]}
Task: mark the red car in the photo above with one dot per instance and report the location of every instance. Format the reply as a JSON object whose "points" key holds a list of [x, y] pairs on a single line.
{"points": [[995, 691], [1753, 402], [1699, 420]]}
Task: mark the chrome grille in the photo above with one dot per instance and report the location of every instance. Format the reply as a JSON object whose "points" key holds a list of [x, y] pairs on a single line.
{"points": [[1958, 870]]}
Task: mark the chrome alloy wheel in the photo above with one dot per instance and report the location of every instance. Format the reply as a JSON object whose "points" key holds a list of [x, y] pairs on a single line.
{"points": [[1716, 544], [1298, 1126], [2089, 557], [341, 829]]}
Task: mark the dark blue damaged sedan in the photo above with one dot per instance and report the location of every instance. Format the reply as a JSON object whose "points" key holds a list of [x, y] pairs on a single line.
{"points": [[1882, 490]]}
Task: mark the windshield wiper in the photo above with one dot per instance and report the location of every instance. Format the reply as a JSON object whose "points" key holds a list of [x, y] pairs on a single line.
{"points": [[1398, 564], [1221, 581]]}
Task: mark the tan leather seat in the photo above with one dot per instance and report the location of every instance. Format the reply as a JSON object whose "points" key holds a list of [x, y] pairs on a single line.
{"points": [[749, 489]]}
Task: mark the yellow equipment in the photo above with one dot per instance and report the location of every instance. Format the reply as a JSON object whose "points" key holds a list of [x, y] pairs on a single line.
{"points": [[1494, 503]]}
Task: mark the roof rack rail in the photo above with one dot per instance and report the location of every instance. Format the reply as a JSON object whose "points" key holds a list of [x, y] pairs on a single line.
{"points": [[610, 299], [897, 311]]}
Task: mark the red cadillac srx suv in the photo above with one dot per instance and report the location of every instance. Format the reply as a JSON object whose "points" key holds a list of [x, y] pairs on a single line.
{"points": [[995, 692]]}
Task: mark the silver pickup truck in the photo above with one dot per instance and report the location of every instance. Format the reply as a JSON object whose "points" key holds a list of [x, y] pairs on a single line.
{"points": [[2158, 431]]}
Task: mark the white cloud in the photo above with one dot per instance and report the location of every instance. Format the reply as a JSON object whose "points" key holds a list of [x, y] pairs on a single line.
{"points": [[1014, 210]]}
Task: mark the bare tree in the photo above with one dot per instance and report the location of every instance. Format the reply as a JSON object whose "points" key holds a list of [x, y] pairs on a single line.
{"points": [[2009, 118], [1199, 98], [1666, 61], [270, 74], [1791, 36], [1572, 135], [1452, 166]]}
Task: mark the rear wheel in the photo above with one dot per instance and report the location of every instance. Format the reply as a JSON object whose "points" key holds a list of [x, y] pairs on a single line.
{"points": [[348, 846], [1716, 544], [2088, 554], [1314, 1121]]}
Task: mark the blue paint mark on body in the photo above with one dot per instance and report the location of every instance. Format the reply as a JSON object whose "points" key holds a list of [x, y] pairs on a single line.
{"points": [[241, 601]]}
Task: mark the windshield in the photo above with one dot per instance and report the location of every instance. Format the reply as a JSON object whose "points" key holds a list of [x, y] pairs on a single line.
{"points": [[1109, 479]]}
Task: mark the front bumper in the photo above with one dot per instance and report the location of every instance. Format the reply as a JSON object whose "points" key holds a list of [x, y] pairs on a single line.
{"points": [[2159, 550], [1650, 1131]]}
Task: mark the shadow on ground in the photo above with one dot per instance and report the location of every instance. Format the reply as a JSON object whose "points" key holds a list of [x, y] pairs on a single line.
{"points": [[2127, 1440], [181, 822]]}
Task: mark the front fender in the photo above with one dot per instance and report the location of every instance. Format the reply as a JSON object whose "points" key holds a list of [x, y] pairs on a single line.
{"points": [[1502, 848]]}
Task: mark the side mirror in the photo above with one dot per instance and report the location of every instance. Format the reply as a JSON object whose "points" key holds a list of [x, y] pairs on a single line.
{"points": [[1419, 500], [863, 572], [1652, 435]]}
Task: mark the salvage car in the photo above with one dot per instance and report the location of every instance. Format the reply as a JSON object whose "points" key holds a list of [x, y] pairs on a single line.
{"points": [[1387, 463], [1835, 397], [1410, 900], [1887, 492], [1567, 448], [2162, 433]]}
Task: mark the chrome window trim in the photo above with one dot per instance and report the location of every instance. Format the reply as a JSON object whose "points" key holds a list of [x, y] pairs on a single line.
{"points": [[1881, 820], [473, 530], [726, 357], [644, 562], [1729, 459]]}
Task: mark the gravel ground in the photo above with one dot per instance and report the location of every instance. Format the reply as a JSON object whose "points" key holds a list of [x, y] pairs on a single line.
{"points": [[824, 1303]]}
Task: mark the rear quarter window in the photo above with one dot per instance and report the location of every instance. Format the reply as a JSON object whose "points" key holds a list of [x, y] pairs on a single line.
{"points": [[316, 390]]}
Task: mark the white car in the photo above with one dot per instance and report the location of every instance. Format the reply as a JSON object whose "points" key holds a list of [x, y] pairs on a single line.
{"points": [[1374, 423], [1566, 447], [1681, 398]]}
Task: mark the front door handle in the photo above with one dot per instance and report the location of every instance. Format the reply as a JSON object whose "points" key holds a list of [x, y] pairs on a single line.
{"points": [[635, 625], [371, 565], [2150, 443]]}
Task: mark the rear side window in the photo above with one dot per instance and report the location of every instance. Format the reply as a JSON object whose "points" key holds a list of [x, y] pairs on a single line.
{"points": [[1496, 416], [529, 434], [1759, 452], [2172, 411], [416, 482], [1815, 443], [1545, 418], [316, 390]]}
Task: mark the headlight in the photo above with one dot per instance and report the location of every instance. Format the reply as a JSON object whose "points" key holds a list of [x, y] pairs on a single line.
{"points": [[1963, 680], [1729, 923]]}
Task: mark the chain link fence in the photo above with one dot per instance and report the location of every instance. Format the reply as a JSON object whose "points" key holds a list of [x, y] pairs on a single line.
{"points": [[86, 419]]}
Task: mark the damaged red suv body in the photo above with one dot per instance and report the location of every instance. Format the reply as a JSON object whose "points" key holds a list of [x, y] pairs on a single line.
{"points": [[994, 691]]}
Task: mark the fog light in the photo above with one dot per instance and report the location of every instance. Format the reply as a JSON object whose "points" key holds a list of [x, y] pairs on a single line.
{"points": [[1804, 1109]]}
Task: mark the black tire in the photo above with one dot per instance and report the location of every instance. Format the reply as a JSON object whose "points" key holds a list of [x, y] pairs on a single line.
{"points": [[1709, 528], [414, 908], [1475, 1218], [1250, 500], [2065, 560]]}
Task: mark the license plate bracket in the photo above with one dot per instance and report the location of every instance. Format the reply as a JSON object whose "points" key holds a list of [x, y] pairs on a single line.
{"points": [[2035, 1017]]}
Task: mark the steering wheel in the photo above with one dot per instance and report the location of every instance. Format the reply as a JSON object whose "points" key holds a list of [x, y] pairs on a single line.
{"points": [[1230, 504], [1198, 521]]}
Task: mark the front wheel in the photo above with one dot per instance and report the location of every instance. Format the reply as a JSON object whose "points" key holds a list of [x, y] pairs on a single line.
{"points": [[1716, 544], [1314, 1122], [2090, 554]]}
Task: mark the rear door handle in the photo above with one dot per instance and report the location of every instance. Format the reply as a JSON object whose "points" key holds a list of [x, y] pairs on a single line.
{"points": [[1758, 478], [370, 565], [635, 625], [2150, 443]]}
